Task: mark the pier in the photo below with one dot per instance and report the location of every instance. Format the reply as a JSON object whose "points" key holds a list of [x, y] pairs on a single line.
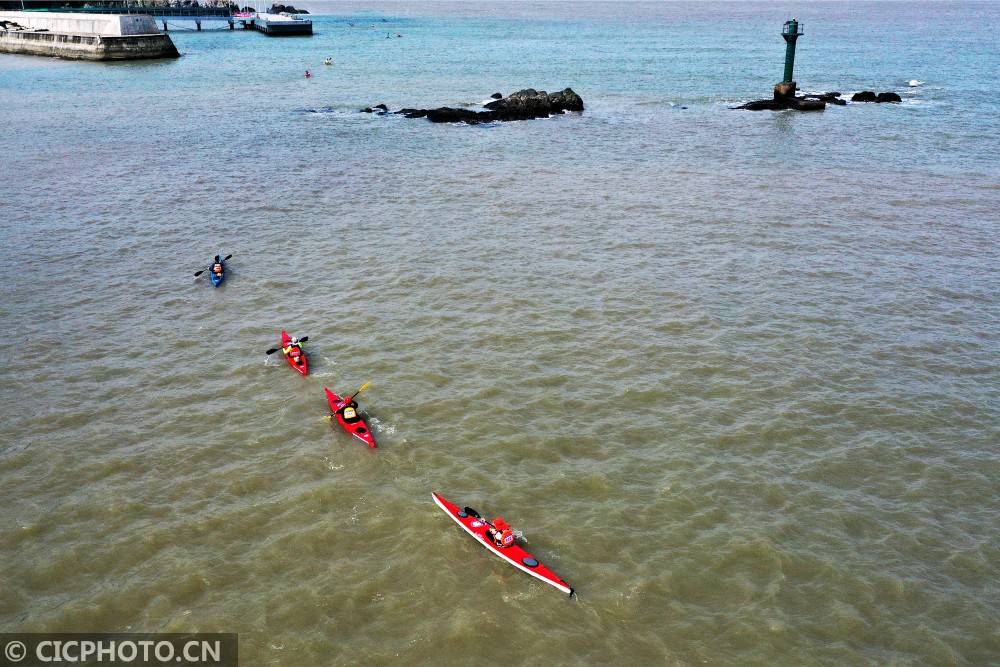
{"points": [[83, 36], [172, 17], [265, 22], [279, 24]]}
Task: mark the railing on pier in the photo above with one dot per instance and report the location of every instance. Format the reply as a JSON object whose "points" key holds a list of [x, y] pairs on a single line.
{"points": [[221, 10], [174, 12]]}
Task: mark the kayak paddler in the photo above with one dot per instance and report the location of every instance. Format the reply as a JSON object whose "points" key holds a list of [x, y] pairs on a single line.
{"points": [[293, 350], [501, 533], [217, 268], [350, 412]]}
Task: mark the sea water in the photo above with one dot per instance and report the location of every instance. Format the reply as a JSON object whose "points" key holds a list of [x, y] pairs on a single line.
{"points": [[732, 375]]}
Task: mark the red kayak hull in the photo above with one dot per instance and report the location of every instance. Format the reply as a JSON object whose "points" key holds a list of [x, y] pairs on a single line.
{"points": [[358, 429], [514, 555], [302, 368]]}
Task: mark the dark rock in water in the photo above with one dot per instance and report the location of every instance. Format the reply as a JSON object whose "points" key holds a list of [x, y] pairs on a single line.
{"points": [[522, 105], [566, 100], [829, 98], [452, 115], [816, 102], [366, 110], [765, 105], [806, 104], [869, 96], [780, 103], [381, 106], [496, 96], [530, 103]]}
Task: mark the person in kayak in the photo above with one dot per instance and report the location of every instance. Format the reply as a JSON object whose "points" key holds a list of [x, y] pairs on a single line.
{"points": [[501, 534], [294, 350], [217, 268], [350, 412]]}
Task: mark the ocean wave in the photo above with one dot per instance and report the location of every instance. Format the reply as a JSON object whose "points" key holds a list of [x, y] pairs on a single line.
{"points": [[377, 425]]}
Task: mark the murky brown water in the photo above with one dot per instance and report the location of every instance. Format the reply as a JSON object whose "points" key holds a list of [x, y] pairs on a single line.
{"points": [[734, 376]]}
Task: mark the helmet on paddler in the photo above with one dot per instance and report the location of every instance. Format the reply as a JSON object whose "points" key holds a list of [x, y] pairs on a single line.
{"points": [[503, 535]]}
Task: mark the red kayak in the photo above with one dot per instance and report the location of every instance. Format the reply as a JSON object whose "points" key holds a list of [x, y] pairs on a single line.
{"points": [[358, 428], [303, 365], [474, 525]]}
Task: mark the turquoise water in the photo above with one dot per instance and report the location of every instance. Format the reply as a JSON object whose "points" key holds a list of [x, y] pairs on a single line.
{"points": [[734, 376]]}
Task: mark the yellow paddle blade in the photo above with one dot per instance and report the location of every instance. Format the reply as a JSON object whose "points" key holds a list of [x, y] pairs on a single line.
{"points": [[363, 387]]}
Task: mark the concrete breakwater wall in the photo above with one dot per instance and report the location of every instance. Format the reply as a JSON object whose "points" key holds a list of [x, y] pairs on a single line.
{"points": [[84, 36]]}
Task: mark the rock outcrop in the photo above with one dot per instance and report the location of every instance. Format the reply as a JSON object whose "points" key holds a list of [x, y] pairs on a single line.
{"points": [[816, 102], [779, 103], [523, 105], [871, 96]]}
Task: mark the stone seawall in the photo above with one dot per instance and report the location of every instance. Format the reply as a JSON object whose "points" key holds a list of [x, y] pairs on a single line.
{"points": [[87, 47]]}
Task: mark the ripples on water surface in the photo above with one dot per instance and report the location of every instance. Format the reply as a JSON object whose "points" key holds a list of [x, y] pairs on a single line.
{"points": [[734, 375]]}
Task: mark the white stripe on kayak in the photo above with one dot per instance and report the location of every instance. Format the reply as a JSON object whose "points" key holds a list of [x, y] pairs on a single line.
{"points": [[564, 589]]}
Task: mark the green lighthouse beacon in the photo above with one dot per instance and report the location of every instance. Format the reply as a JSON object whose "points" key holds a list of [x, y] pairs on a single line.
{"points": [[791, 31]]}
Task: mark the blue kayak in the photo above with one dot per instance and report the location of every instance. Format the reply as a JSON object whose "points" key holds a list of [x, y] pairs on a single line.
{"points": [[217, 278]]}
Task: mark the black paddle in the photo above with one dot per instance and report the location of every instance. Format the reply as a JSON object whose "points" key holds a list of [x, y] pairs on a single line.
{"points": [[275, 349], [473, 513], [217, 261]]}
